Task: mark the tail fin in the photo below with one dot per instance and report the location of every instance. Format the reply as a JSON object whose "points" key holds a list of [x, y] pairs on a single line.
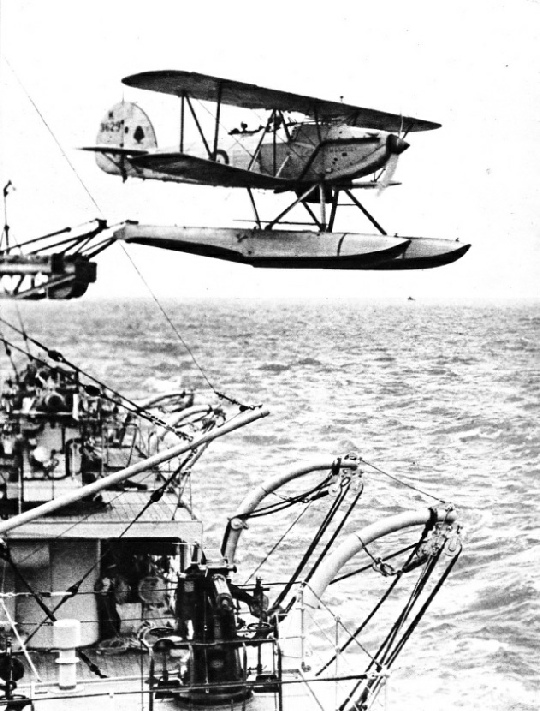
{"points": [[125, 131]]}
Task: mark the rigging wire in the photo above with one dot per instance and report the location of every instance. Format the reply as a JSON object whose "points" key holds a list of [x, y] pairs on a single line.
{"points": [[53, 136], [270, 509], [169, 321], [354, 635], [189, 460], [426, 604], [278, 543], [20, 640], [316, 539], [172, 689], [370, 565], [184, 467], [400, 481], [83, 518], [242, 146], [339, 621], [334, 535], [385, 647], [153, 295], [386, 655], [316, 492], [373, 685], [9, 353], [118, 398], [49, 614], [74, 589]]}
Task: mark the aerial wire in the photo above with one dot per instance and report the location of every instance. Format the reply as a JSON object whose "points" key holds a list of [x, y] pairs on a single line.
{"points": [[168, 319], [107, 392], [148, 287], [53, 136], [403, 483]]}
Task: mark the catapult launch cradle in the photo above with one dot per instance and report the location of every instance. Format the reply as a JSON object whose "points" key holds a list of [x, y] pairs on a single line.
{"points": [[50, 272]]}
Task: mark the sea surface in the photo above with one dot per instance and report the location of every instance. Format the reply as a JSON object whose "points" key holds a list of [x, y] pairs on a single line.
{"points": [[443, 396]]}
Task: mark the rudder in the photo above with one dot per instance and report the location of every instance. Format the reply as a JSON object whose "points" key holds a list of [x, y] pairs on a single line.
{"points": [[127, 130]]}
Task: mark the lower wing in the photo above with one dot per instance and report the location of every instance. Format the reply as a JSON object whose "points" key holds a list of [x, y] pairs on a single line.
{"points": [[208, 172]]}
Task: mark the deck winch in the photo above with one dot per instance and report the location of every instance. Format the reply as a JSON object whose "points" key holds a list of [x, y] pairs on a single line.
{"points": [[207, 619]]}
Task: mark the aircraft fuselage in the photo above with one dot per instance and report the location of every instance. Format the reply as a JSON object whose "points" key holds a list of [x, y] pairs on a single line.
{"points": [[302, 154], [317, 152]]}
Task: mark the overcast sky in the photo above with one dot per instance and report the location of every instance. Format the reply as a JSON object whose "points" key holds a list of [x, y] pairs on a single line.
{"points": [[474, 67]]}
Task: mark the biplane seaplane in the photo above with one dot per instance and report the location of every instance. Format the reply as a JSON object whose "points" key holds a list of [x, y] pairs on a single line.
{"points": [[332, 150]]}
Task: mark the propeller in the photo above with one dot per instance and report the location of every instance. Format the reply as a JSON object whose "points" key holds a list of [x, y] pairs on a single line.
{"points": [[395, 146]]}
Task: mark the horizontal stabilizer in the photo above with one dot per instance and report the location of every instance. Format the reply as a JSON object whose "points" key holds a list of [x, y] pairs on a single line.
{"points": [[371, 184], [115, 150]]}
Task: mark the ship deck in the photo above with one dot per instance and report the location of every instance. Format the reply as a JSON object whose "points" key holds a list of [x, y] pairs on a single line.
{"points": [[127, 688], [124, 514], [125, 664]]}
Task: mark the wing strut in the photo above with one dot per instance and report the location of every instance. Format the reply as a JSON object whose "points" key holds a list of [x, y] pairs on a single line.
{"points": [[201, 134], [335, 203], [258, 149], [322, 199], [311, 214], [254, 206], [366, 213], [218, 116], [285, 126], [303, 196], [184, 97], [325, 197], [182, 119], [274, 129]]}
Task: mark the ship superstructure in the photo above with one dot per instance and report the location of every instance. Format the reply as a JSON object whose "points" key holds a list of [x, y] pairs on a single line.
{"points": [[111, 596]]}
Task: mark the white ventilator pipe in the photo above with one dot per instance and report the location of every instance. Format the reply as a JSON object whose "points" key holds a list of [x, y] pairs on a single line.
{"points": [[120, 476], [177, 417], [294, 628], [355, 542], [155, 399], [256, 495]]}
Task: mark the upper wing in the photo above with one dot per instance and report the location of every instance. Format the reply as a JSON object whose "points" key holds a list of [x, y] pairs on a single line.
{"points": [[208, 172], [251, 96]]}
